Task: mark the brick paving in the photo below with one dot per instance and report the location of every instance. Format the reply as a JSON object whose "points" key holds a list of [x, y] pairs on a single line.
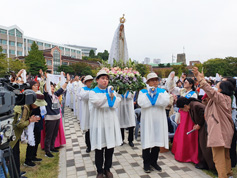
{"points": [[127, 162]]}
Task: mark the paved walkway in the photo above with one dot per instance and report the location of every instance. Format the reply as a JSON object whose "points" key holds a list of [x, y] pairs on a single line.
{"points": [[127, 161]]}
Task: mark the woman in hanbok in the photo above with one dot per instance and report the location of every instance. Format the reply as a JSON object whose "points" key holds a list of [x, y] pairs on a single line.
{"points": [[185, 147], [104, 124], [154, 127]]}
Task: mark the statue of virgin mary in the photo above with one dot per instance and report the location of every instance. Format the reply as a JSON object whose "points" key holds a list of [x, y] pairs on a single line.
{"points": [[119, 50]]}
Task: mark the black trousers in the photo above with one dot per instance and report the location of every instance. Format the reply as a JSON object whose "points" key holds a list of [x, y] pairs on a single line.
{"points": [[100, 160], [51, 132], [16, 155], [130, 133], [87, 138], [150, 156], [31, 151], [233, 150]]}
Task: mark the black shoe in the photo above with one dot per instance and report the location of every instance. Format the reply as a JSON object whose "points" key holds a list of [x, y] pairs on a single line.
{"points": [[49, 155], [147, 170], [22, 173], [157, 167], [36, 159], [29, 164], [131, 144], [23, 177], [54, 150], [88, 150]]}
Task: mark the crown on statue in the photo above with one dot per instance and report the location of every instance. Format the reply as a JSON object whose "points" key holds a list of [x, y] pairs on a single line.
{"points": [[122, 19]]}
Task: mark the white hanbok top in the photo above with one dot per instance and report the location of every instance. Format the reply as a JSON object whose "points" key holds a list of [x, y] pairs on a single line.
{"points": [[104, 123], [84, 107], [154, 126], [126, 113]]}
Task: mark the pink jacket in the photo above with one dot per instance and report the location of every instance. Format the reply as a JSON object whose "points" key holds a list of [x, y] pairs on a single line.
{"points": [[220, 126]]}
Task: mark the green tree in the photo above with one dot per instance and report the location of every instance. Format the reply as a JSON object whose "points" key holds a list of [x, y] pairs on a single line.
{"points": [[92, 53], [217, 65], [35, 60], [16, 65], [82, 68], [142, 69], [3, 63], [179, 69], [104, 55], [66, 69]]}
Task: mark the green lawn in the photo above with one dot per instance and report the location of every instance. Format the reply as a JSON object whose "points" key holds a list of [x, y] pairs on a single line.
{"points": [[48, 167]]}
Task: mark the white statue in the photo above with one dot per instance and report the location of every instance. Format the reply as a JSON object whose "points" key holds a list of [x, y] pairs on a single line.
{"points": [[119, 50]]}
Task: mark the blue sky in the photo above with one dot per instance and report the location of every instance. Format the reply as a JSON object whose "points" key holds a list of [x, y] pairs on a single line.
{"points": [[154, 28]]}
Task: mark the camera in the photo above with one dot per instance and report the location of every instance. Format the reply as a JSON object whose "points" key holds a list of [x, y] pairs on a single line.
{"points": [[11, 95]]}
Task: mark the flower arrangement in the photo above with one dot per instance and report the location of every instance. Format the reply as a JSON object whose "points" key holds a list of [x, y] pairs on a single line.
{"points": [[124, 80]]}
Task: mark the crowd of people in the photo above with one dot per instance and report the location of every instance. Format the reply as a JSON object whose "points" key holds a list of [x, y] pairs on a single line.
{"points": [[205, 112]]}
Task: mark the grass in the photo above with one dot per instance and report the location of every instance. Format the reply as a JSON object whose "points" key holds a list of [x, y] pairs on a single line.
{"points": [[48, 167]]}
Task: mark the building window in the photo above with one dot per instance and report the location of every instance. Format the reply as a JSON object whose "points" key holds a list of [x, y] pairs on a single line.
{"points": [[11, 32], [65, 63], [39, 44], [53, 46], [2, 31], [73, 56], [12, 52], [4, 51], [56, 61], [18, 33], [67, 49], [47, 45], [3, 42], [62, 48], [49, 62], [19, 45], [30, 41], [19, 53], [29, 48], [78, 52], [11, 43]]}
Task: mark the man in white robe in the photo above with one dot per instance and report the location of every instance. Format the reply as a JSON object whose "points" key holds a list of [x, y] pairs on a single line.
{"points": [[85, 115], [126, 116], [104, 125], [154, 127]]}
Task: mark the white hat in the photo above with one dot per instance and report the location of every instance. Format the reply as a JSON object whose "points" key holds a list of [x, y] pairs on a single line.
{"points": [[88, 77], [101, 72], [151, 75]]}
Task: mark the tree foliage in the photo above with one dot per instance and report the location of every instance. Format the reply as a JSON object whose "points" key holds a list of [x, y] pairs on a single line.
{"points": [[92, 53], [142, 69], [104, 55], [82, 68], [9, 64], [65, 68], [35, 60], [224, 67], [179, 69]]}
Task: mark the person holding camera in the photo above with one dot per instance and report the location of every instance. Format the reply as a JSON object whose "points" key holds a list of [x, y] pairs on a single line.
{"points": [[52, 119], [23, 118]]}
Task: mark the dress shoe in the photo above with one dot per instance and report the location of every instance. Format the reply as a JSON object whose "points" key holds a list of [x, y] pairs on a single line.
{"points": [[157, 167], [108, 174], [54, 150], [99, 175], [131, 144], [88, 150]]}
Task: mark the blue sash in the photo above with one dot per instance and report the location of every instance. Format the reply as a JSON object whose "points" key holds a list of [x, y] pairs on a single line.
{"points": [[155, 97], [126, 95], [189, 94], [86, 88]]}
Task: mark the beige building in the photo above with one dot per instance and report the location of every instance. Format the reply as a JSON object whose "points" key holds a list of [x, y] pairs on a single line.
{"points": [[14, 43]]}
